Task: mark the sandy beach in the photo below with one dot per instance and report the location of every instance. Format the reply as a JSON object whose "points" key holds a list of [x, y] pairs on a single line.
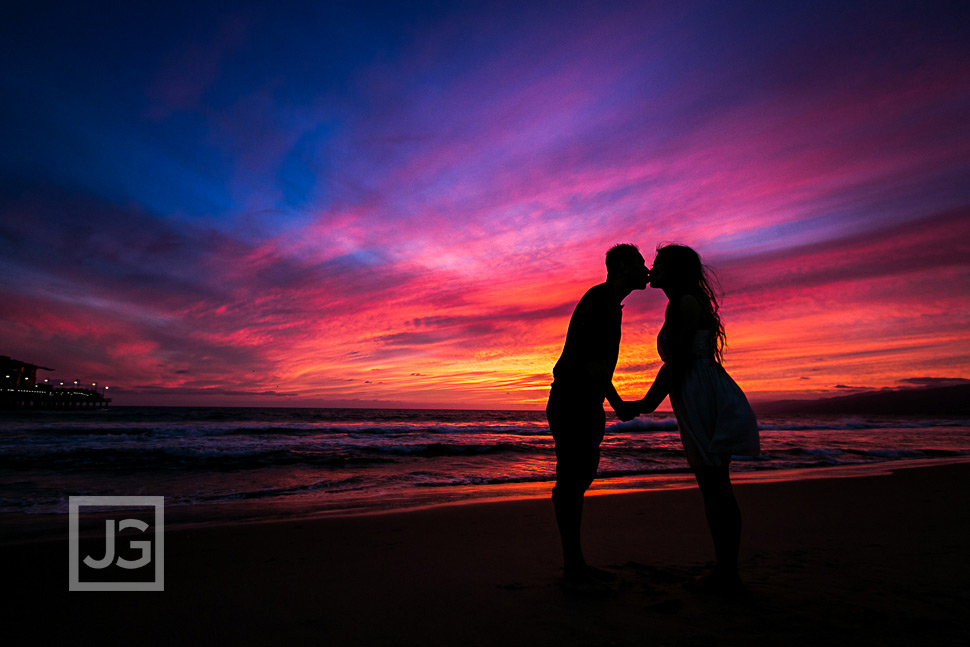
{"points": [[881, 559]]}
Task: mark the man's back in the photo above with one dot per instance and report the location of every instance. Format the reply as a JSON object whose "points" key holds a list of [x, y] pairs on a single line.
{"points": [[592, 345]]}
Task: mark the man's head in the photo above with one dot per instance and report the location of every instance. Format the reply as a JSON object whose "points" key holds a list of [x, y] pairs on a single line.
{"points": [[625, 265]]}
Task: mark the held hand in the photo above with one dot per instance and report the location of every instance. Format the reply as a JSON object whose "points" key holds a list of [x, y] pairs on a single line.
{"points": [[626, 411], [643, 406]]}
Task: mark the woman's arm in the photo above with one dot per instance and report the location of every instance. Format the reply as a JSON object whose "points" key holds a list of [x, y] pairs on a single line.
{"points": [[681, 322]]}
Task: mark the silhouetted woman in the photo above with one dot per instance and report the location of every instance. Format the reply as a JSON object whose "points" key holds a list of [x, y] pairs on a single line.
{"points": [[714, 417]]}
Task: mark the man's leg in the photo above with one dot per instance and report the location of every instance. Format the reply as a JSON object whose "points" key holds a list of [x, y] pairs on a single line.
{"points": [[569, 517], [578, 432], [576, 462]]}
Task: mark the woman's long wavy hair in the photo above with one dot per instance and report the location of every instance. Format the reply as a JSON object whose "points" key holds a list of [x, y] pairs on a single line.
{"points": [[683, 265]]}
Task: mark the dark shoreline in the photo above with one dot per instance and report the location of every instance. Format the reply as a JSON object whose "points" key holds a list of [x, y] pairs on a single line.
{"points": [[825, 560], [22, 528], [953, 400]]}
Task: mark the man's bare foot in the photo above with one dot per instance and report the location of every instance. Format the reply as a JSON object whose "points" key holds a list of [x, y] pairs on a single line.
{"points": [[716, 583], [600, 575]]}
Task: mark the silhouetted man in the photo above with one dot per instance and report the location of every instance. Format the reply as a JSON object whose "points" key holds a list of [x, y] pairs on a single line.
{"points": [[582, 378]]}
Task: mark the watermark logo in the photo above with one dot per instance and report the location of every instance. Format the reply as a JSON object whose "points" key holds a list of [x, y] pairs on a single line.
{"points": [[117, 543]]}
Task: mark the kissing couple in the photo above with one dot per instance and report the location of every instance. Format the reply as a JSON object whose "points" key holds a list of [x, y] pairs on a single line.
{"points": [[713, 416]]}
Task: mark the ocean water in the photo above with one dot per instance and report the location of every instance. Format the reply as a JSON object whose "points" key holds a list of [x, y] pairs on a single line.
{"points": [[359, 460]]}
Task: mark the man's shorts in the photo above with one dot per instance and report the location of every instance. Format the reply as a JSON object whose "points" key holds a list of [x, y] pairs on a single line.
{"points": [[578, 428]]}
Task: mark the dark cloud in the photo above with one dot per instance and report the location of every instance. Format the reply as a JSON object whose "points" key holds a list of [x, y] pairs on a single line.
{"points": [[93, 247], [900, 249], [410, 339], [155, 390], [646, 368], [935, 381]]}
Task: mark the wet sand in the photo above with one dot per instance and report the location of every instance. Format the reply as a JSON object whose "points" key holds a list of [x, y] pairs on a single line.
{"points": [[880, 559]]}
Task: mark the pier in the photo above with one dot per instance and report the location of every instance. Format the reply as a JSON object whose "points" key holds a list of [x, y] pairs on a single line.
{"points": [[20, 390]]}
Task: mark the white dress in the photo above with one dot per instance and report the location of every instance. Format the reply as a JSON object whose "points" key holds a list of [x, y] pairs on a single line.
{"points": [[713, 415]]}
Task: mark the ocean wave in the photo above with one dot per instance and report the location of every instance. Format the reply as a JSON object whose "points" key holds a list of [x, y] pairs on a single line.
{"points": [[354, 430], [853, 423], [227, 458], [195, 456], [800, 458], [135, 460], [335, 486], [363, 429], [448, 449], [644, 425]]}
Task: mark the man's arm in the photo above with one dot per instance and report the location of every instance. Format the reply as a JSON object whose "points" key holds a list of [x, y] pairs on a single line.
{"points": [[600, 372], [614, 398], [659, 390], [625, 411]]}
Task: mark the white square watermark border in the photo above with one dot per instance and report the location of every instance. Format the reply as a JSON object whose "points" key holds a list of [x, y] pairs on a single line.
{"points": [[157, 502]]}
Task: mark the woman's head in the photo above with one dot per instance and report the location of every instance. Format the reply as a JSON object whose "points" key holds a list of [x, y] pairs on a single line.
{"points": [[677, 269]]}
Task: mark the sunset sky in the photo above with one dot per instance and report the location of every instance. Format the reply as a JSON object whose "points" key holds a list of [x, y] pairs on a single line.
{"points": [[387, 204]]}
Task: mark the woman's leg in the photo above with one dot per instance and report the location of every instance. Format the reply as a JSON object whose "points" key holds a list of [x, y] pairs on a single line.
{"points": [[723, 518]]}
